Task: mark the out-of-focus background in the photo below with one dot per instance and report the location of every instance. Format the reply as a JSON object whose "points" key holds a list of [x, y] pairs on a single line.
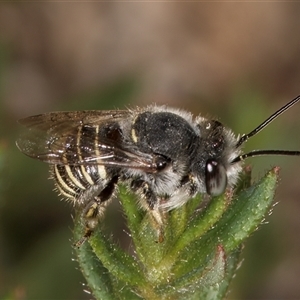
{"points": [[237, 61]]}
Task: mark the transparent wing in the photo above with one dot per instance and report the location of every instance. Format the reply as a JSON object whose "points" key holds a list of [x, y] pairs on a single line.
{"points": [[73, 138]]}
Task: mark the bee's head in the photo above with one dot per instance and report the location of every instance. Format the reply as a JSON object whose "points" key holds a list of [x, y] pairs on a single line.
{"points": [[221, 157], [215, 151]]}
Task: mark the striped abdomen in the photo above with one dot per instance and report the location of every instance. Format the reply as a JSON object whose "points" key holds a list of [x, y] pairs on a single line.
{"points": [[71, 181], [77, 175]]}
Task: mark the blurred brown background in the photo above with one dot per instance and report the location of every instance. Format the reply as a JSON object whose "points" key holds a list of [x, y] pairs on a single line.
{"points": [[237, 61]]}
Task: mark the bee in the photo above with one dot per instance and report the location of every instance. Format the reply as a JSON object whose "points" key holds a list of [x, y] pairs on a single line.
{"points": [[162, 154]]}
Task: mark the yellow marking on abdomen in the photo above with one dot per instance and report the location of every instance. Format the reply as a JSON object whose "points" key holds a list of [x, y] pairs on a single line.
{"points": [[101, 168], [63, 186], [73, 178]]}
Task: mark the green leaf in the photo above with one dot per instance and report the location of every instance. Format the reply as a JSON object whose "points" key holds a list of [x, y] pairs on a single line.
{"points": [[198, 257]]}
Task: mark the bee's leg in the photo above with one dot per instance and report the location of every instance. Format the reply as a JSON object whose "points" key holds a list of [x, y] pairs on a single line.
{"points": [[95, 209], [91, 215], [157, 218], [151, 204]]}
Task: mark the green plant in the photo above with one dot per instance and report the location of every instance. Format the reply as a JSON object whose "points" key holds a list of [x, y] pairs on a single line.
{"points": [[199, 254]]}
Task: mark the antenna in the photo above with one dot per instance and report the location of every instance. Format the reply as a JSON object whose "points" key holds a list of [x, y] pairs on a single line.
{"points": [[264, 124]]}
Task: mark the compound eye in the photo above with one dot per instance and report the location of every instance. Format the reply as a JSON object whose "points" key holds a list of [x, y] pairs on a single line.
{"points": [[161, 162], [215, 178]]}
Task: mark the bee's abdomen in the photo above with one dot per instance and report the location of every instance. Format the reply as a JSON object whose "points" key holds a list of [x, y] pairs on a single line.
{"points": [[72, 178], [71, 181]]}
